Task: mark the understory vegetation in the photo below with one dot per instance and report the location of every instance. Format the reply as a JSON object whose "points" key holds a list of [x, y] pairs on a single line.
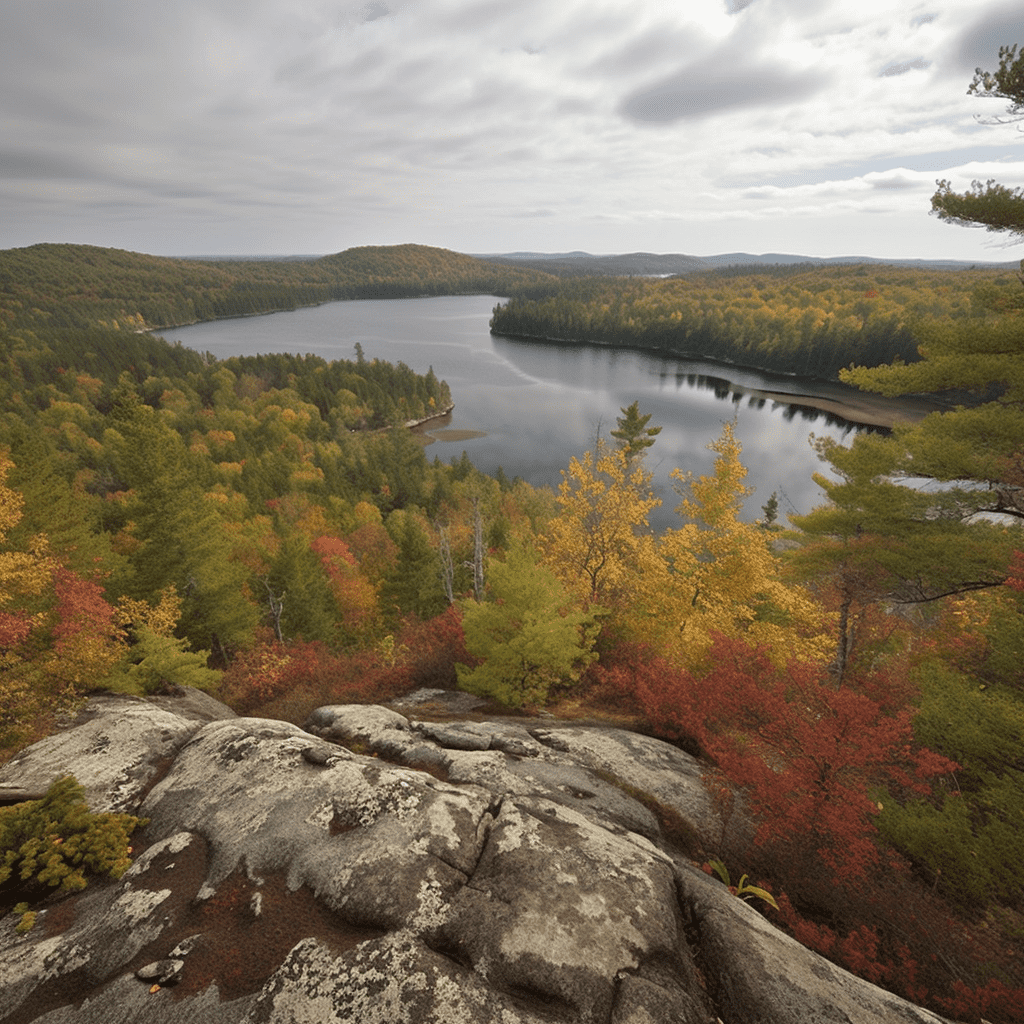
{"points": [[265, 529]]}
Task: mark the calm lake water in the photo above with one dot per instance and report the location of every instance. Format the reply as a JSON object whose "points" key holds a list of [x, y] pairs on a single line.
{"points": [[536, 405]]}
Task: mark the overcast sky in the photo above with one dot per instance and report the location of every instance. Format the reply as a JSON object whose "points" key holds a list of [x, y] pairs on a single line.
{"points": [[309, 126]]}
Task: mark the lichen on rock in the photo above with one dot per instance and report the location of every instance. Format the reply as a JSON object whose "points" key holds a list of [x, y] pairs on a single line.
{"points": [[293, 875]]}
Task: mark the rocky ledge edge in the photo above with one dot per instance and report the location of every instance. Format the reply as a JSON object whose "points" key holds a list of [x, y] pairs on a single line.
{"points": [[378, 869]]}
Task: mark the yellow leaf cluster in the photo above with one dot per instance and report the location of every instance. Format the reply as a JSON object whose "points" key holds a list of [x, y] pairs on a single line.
{"points": [[22, 573], [720, 574], [714, 574], [160, 619], [599, 545]]}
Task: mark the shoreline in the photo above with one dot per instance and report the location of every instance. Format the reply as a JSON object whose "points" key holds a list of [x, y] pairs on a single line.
{"points": [[858, 408], [866, 409], [861, 408], [410, 424]]}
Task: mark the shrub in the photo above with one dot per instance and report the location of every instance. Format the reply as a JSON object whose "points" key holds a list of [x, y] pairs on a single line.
{"points": [[528, 638], [56, 841], [807, 755], [158, 661]]}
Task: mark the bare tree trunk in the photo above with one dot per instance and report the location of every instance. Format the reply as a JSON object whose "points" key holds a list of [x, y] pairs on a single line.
{"points": [[478, 552], [276, 609], [447, 565], [843, 639]]}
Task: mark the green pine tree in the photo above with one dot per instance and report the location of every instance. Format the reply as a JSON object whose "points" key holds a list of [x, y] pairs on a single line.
{"points": [[529, 637], [414, 583], [633, 434], [181, 539]]}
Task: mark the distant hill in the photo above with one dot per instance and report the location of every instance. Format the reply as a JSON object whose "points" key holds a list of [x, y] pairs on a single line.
{"points": [[646, 264], [74, 286]]}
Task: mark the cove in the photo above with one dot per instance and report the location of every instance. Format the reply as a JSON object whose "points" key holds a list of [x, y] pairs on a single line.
{"points": [[530, 406]]}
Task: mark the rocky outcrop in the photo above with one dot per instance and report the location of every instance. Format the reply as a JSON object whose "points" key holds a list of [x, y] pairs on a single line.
{"points": [[373, 868]]}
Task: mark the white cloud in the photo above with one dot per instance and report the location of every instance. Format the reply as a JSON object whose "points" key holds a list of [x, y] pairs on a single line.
{"points": [[481, 125]]}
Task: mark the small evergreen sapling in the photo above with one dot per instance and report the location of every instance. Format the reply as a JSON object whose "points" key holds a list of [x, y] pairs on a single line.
{"points": [[633, 435], [56, 841]]}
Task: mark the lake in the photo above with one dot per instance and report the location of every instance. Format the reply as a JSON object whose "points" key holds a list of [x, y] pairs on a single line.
{"points": [[529, 407]]}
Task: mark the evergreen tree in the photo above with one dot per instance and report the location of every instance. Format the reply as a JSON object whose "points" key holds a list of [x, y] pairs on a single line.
{"points": [[178, 538], [633, 434], [878, 540], [413, 584], [528, 636], [297, 580], [158, 662], [68, 517], [995, 206], [935, 542]]}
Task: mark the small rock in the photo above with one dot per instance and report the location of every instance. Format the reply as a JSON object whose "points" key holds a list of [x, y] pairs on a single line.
{"points": [[455, 738], [183, 948], [515, 746], [163, 972], [316, 755]]}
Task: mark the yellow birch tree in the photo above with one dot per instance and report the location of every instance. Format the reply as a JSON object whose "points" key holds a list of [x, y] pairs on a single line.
{"points": [[600, 545], [720, 575]]}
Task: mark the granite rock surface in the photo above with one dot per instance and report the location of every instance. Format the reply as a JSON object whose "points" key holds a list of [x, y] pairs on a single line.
{"points": [[376, 868]]}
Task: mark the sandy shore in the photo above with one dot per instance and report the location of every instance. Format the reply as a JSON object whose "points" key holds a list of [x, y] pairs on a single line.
{"points": [[867, 409]]}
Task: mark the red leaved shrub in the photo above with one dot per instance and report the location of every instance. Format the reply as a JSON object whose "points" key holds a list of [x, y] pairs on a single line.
{"points": [[278, 679], [805, 753], [432, 648]]}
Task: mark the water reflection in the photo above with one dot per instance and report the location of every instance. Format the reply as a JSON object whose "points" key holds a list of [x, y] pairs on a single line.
{"points": [[530, 407], [690, 400]]}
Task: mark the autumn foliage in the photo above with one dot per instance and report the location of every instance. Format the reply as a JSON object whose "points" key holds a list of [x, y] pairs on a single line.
{"points": [[806, 755], [809, 766], [355, 595], [237, 511], [288, 680]]}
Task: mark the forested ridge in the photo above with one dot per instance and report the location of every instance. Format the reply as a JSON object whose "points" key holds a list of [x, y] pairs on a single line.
{"points": [[806, 320], [81, 308], [82, 285], [265, 528]]}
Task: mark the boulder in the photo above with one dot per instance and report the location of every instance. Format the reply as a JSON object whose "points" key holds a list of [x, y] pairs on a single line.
{"points": [[759, 975], [315, 875], [117, 746]]}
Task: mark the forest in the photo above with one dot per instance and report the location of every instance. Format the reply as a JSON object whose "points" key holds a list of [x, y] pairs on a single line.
{"points": [[809, 320], [55, 286], [266, 528]]}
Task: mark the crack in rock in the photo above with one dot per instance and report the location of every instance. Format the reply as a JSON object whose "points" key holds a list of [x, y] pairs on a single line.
{"points": [[531, 887]]}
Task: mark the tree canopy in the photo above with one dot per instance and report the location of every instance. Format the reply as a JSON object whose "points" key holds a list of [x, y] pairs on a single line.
{"points": [[805, 319], [991, 205], [530, 638]]}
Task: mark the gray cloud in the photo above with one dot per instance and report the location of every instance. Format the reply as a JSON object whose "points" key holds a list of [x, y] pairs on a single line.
{"points": [[895, 182], [902, 67], [1000, 25], [712, 86], [653, 46], [41, 165], [309, 125]]}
